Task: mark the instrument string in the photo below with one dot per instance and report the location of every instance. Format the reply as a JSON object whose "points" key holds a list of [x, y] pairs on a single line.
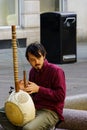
{"points": [[22, 62], [21, 54]]}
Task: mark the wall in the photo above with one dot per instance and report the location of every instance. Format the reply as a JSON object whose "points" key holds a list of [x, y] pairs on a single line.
{"points": [[48, 5], [80, 7], [30, 22]]}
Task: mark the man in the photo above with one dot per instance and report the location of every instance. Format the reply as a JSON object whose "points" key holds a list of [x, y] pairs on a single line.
{"points": [[47, 87]]}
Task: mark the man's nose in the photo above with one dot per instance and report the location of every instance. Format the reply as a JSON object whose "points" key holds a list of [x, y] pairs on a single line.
{"points": [[37, 61]]}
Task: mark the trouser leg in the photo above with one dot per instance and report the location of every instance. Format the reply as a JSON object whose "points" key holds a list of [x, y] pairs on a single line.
{"points": [[45, 119], [5, 122]]}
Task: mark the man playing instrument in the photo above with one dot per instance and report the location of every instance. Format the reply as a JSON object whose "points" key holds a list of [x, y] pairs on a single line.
{"points": [[47, 88]]}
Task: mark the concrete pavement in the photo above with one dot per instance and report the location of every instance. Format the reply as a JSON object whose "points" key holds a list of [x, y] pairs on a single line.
{"points": [[76, 73]]}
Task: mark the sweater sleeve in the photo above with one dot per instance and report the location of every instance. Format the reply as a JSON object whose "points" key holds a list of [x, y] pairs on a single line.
{"points": [[58, 90]]}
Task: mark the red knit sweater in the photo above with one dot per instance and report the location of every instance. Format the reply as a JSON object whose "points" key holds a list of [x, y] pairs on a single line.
{"points": [[51, 95]]}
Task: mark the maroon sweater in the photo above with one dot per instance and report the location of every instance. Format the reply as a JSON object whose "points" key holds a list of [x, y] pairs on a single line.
{"points": [[51, 95]]}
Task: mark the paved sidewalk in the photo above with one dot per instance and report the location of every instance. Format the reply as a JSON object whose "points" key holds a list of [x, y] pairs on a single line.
{"points": [[76, 73]]}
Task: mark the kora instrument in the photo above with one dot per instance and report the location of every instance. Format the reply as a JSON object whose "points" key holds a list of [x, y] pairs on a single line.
{"points": [[19, 106]]}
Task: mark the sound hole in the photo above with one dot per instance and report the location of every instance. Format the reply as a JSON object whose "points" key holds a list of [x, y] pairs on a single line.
{"points": [[23, 98]]}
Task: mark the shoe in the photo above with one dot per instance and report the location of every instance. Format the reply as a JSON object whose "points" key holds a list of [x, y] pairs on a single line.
{"points": [[1, 128]]}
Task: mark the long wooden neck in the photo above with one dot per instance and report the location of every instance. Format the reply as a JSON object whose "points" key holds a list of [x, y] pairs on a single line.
{"points": [[15, 57]]}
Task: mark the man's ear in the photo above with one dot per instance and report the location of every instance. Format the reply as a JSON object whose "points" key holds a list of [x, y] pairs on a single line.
{"points": [[44, 57]]}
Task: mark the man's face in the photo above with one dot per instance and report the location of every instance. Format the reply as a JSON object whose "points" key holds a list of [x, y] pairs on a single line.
{"points": [[35, 62]]}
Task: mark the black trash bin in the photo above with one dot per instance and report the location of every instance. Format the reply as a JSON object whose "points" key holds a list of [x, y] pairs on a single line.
{"points": [[58, 35]]}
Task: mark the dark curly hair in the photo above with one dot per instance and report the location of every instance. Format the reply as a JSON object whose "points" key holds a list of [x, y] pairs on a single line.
{"points": [[34, 49]]}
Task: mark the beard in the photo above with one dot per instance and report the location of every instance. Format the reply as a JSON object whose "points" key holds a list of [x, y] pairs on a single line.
{"points": [[38, 66]]}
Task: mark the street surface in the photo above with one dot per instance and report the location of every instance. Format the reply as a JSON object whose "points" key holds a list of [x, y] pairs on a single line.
{"points": [[76, 73]]}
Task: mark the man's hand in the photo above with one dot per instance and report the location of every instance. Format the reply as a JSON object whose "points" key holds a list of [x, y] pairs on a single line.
{"points": [[21, 85], [31, 87]]}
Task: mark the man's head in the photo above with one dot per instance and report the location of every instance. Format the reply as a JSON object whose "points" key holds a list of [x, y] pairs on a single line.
{"points": [[35, 54]]}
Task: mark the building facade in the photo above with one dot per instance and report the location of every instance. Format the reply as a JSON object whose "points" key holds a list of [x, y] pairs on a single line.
{"points": [[26, 15], [80, 8], [27, 20]]}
